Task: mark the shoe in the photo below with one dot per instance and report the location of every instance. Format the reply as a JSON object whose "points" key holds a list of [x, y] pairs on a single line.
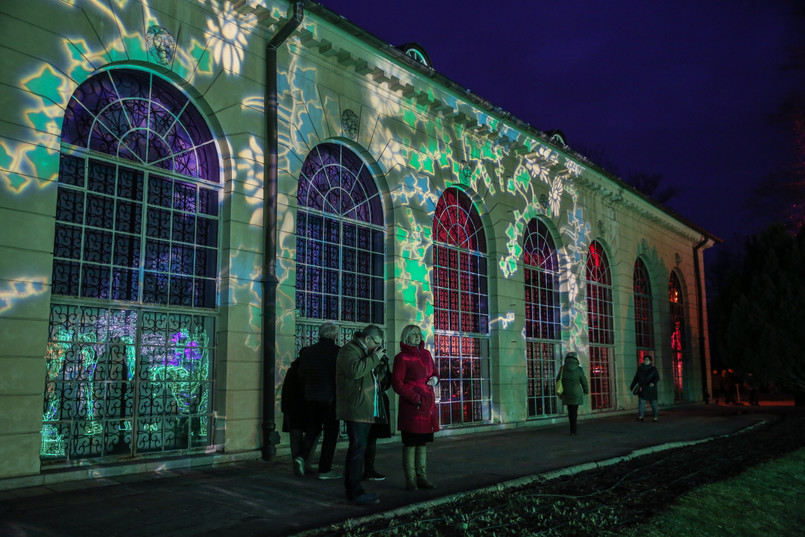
{"points": [[299, 466], [366, 499], [332, 474], [373, 476], [655, 419], [640, 419]]}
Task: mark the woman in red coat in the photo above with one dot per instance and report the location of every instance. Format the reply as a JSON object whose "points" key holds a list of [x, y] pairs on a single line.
{"points": [[413, 378]]}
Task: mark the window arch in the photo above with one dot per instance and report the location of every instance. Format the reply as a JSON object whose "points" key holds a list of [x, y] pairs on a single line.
{"points": [[600, 326], [542, 317], [676, 299], [461, 316], [643, 311], [339, 242], [135, 268]]}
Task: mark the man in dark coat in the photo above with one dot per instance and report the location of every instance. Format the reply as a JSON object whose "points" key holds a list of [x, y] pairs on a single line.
{"points": [[317, 372], [292, 404], [645, 381]]}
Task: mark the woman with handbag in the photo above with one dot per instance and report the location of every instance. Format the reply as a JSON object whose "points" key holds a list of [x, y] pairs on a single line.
{"points": [[573, 388], [413, 377], [644, 386]]}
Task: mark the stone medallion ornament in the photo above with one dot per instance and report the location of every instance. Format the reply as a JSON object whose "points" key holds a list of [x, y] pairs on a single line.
{"points": [[349, 123], [160, 44]]}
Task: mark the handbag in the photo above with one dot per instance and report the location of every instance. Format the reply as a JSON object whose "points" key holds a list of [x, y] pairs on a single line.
{"points": [[560, 388]]}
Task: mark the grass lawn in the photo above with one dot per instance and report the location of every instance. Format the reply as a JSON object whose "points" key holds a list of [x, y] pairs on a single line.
{"points": [[765, 500]]}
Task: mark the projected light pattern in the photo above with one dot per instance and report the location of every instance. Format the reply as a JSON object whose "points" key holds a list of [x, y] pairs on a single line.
{"points": [[643, 311], [542, 318], [460, 315], [677, 334], [600, 326]]}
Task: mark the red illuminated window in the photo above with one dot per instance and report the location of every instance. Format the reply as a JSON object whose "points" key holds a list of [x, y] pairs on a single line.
{"points": [[600, 326], [542, 317], [677, 334], [460, 313], [643, 312]]}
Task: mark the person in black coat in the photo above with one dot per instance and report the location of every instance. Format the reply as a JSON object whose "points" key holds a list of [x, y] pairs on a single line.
{"points": [[645, 383], [292, 404], [317, 372], [381, 428]]}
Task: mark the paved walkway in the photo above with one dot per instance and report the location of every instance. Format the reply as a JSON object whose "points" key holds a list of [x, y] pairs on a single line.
{"points": [[265, 499]]}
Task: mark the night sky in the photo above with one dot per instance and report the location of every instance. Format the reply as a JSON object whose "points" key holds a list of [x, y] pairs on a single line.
{"points": [[686, 89]]}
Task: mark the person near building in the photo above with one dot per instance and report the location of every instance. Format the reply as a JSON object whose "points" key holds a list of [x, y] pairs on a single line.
{"points": [[317, 373], [645, 382], [575, 387], [292, 404], [359, 403], [381, 428], [414, 377]]}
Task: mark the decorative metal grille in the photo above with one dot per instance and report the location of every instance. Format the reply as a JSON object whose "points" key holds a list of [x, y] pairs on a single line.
{"points": [[137, 221], [677, 334], [460, 312], [600, 326], [542, 318], [643, 311], [339, 240], [126, 381]]}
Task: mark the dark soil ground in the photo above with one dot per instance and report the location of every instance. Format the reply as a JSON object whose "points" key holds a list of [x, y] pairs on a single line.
{"points": [[603, 501]]}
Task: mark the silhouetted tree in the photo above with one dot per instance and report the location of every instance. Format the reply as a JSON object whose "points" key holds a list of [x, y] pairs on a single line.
{"points": [[651, 185], [759, 311]]}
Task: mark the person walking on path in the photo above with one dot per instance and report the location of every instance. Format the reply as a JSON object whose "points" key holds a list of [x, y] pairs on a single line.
{"points": [[645, 382], [358, 403], [413, 378], [317, 372], [575, 386], [292, 404]]}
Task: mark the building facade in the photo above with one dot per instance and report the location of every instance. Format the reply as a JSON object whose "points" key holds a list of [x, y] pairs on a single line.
{"points": [[191, 187]]}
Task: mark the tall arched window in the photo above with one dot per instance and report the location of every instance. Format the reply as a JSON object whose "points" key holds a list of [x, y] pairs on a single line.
{"points": [[460, 312], [542, 317], [677, 334], [339, 243], [135, 268], [643, 311], [600, 326]]}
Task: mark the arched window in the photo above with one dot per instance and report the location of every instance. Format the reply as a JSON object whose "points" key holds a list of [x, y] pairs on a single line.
{"points": [[677, 334], [643, 311], [600, 326], [460, 312], [542, 318], [135, 268], [339, 243]]}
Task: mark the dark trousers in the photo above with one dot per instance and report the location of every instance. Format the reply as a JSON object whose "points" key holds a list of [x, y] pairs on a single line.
{"points": [[321, 415], [572, 417], [358, 434]]}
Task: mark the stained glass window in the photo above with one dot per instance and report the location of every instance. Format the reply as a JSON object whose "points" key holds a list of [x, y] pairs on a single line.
{"points": [[643, 311], [677, 334], [460, 312], [542, 317], [135, 268], [600, 326], [339, 240]]}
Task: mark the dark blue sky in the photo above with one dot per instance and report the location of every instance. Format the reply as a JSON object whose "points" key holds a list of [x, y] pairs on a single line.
{"points": [[681, 88]]}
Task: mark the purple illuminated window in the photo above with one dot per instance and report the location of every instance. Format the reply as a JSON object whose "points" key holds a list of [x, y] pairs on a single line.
{"points": [[643, 311], [600, 326], [460, 312], [677, 334], [542, 317], [339, 239]]}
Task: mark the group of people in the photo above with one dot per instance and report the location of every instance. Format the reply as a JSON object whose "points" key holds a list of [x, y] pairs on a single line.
{"points": [[575, 387], [328, 383]]}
